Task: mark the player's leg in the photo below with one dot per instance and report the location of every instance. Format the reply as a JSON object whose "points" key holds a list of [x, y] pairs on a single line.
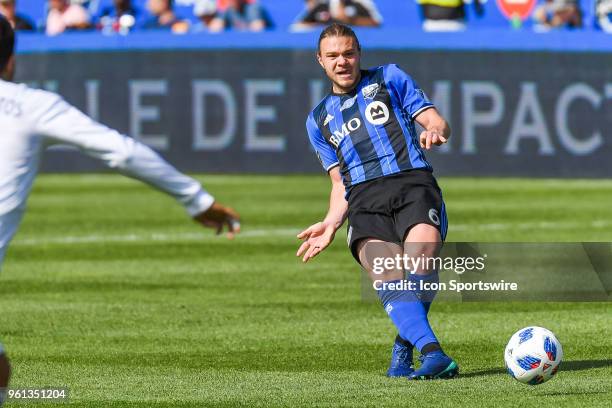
{"points": [[376, 234], [422, 223], [424, 241], [367, 251], [422, 281], [5, 372], [402, 303], [8, 227], [406, 310]]}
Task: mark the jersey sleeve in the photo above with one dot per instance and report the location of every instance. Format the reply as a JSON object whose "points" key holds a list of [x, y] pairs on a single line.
{"points": [[326, 154], [60, 123], [408, 92]]}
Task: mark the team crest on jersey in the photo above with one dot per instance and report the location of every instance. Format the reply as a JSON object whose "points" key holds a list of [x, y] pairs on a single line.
{"points": [[377, 113], [370, 91]]}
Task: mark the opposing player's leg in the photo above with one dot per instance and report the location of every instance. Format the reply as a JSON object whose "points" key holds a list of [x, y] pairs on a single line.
{"points": [[5, 372], [9, 223]]}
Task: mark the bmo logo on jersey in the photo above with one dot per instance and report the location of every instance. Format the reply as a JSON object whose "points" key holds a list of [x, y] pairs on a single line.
{"points": [[351, 126], [377, 113]]}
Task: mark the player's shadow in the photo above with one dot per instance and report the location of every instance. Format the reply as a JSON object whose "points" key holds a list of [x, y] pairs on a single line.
{"points": [[575, 365]]}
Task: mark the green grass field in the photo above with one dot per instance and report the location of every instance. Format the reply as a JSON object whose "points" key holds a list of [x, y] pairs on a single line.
{"points": [[110, 290]]}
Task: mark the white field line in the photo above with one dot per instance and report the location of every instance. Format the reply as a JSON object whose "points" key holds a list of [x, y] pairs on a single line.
{"points": [[521, 226], [185, 236], [289, 232]]}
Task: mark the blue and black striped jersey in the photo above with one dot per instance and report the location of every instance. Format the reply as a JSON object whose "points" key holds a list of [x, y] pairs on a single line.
{"points": [[370, 132]]}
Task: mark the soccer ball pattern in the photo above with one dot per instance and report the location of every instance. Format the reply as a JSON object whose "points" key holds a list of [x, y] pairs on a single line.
{"points": [[533, 355]]}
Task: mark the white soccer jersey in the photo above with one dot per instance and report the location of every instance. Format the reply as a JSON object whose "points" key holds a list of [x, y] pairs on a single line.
{"points": [[31, 120]]}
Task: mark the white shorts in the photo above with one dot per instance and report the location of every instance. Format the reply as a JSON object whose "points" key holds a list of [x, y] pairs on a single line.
{"points": [[8, 227]]}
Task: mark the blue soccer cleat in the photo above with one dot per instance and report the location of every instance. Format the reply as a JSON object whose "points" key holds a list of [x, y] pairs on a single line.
{"points": [[435, 365], [401, 361]]}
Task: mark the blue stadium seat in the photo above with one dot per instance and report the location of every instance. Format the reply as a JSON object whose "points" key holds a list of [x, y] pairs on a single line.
{"points": [[283, 12], [35, 9], [399, 13]]}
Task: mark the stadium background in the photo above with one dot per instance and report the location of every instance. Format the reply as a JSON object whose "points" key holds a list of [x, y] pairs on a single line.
{"points": [[109, 291], [520, 102]]}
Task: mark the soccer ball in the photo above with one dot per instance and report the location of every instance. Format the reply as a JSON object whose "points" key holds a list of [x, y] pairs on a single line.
{"points": [[533, 355]]}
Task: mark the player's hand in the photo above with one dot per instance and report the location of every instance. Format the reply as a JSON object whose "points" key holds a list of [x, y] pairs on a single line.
{"points": [[316, 238], [218, 217], [431, 137]]}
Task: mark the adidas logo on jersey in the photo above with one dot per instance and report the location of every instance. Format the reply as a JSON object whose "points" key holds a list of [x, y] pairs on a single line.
{"points": [[348, 103]]}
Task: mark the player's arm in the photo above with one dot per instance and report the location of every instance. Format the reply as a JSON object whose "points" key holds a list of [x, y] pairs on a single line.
{"points": [[414, 102], [59, 122], [318, 236], [436, 128]]}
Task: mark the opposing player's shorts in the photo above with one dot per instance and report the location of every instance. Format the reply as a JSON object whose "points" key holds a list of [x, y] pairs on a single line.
{"points": [[386, 208]]}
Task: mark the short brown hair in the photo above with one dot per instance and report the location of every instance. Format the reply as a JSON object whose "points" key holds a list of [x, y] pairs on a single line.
{"points": [[337, 30]]}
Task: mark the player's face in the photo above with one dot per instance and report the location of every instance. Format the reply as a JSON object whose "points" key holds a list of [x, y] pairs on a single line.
{"points": [[340, 58]]}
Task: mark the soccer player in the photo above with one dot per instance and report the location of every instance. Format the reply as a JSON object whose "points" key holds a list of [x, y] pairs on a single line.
{"points": [[5, 373], [364, 135], [32, 119]]}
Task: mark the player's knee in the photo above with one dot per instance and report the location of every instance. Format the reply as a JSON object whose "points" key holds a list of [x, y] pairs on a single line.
{"points": [[379, 259], [423, 239]]}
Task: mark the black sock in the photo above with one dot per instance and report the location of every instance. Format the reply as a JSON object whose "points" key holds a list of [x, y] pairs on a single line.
{"points": [[429, 347], [403, 342]]}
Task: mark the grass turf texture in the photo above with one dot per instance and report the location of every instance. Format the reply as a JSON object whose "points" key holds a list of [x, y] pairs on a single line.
{"points": [[111, 291]]}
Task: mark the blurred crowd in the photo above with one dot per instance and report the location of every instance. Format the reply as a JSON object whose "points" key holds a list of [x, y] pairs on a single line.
{"points": [[124, 16]]}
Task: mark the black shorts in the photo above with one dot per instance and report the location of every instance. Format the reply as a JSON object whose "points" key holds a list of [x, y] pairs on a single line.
{"points": [[386, 208]]}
